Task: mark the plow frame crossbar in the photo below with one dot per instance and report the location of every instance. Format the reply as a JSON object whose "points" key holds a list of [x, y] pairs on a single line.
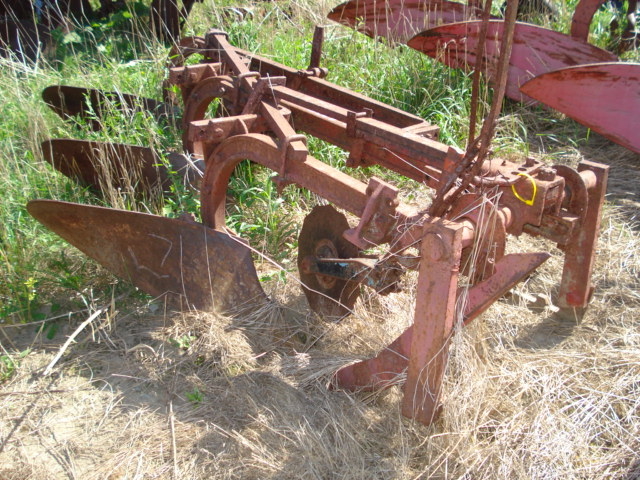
{"points": [[261, 96]]}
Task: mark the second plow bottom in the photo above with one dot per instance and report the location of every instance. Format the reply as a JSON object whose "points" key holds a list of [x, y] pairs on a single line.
{"points": [[203, 266], [543, 61]]}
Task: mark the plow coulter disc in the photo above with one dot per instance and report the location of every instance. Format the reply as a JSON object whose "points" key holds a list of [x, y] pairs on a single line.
{"points": [[536, 50], [321, 236], [604, 97], [196, 267], [399, 20]]}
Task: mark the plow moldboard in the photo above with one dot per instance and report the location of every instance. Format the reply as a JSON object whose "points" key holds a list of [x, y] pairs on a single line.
{"points": [[195, 266], [536, 50], [604, 97], [90, 104], [100, 165], [399, 20]]}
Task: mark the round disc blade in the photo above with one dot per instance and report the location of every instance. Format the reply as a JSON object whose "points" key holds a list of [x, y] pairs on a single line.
{"points": [[321, 236]]}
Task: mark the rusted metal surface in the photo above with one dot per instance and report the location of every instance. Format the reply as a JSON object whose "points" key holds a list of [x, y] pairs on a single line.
{"points": [[259, 103], [105, 166], [168, 17], [193, 266], [386, 368], [102, 166], [604, 97], [399, 20], [576, 288], [321, 237], [536, 50], [625, 39], [90, 105], [434, 319]]}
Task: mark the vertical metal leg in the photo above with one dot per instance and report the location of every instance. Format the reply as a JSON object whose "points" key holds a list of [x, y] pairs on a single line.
{"points": [[434, 319], [576, 287], [384, 369]]}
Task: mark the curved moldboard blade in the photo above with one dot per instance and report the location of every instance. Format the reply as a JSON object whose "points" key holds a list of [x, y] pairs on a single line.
{"points": [[604, 97], [536, 50], [399, 20], [101, 166], [90, 104], [195, 266]]}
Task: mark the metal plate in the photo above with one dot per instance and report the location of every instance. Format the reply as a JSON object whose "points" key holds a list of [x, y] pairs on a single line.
{"points": [[604, 97], [399, 20], [91, 105], [102, 166], [322, 229], [536, 50], [196, 267]]}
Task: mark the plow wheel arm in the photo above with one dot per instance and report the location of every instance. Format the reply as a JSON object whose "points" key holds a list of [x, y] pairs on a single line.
{"points": [[582, 17], [220, 165], [335, 186], [177, 57], [186, 47]]}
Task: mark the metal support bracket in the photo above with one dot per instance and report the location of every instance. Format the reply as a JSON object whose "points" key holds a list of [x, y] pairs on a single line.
{"points": [[575, 287], [261, 87], [378, 218]]}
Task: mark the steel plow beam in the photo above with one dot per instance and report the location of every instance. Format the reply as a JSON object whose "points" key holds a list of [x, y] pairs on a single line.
{"points": [[604, 97], [194, 266], [399, 20], [536, 50]]}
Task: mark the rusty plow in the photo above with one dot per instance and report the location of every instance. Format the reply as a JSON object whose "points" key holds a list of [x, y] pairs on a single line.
{"points": [[456, 245]]}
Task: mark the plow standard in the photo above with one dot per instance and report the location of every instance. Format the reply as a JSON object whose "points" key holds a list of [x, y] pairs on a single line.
{"points": [[456, 244]]}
